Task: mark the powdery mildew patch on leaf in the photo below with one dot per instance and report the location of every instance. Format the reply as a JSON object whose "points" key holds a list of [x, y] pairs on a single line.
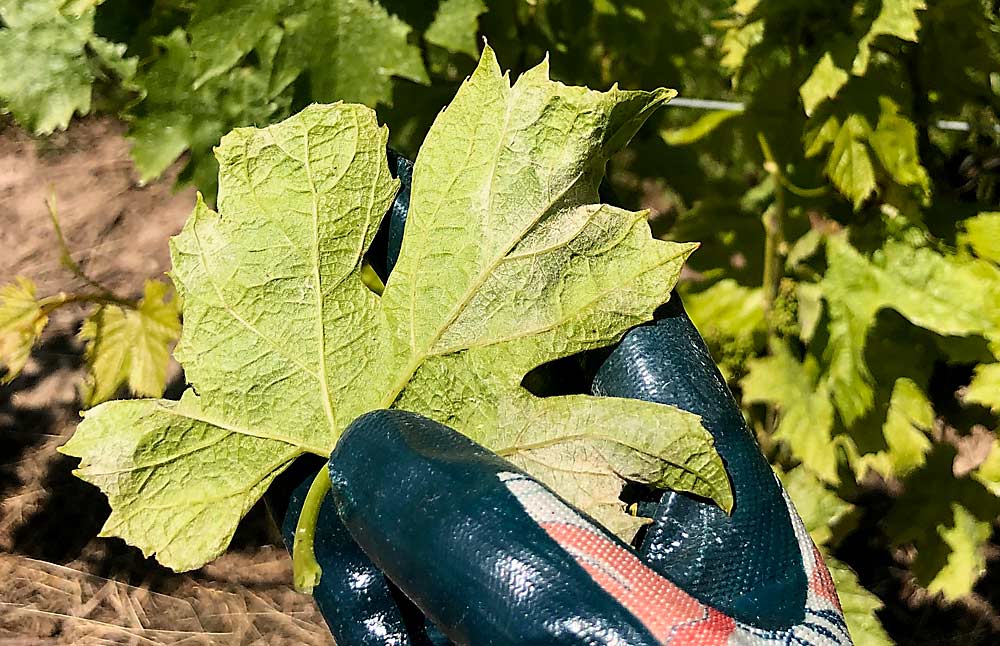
{"points": [[509, 261]]}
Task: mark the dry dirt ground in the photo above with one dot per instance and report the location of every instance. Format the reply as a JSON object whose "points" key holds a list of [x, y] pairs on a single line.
{"points": [[59, 584]]}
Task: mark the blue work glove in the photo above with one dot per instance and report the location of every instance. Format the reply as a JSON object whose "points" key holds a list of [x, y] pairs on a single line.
{"points": [[428, 538]]}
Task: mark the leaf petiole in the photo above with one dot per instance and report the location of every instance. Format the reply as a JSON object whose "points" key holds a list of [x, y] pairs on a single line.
{"points": [[306, 570]]}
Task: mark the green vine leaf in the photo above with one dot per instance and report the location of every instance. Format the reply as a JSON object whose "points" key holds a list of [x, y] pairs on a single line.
{"points": [[859, 606], [894, 141], [455, 25], [984, 389], [948, 519], [130, 346], [849, 166], [49, 59], [820, 508], [982, 234], [966, 560], [508, 262], [905, 431], [162, 127], [946, 295], [896, 18], [21, 323], [804, 403], [823, 83]]}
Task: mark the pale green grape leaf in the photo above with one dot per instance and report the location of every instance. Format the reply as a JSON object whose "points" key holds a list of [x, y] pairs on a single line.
{"points": [[351, 49], [984, 389], [809, 297], [818, 506], [727, 309], [982, 234], [178, 481], [203, 81], [804, 248], [508, 262], [908, 421], [895, 144], [223, 31], [823, 83], [816, 138], [704, 126], [946, 295], [737, 42], [859, 606], [21, 323], [966, 563], [804, 405], [50, 58], [130, 346], [455, 26], [849, 166], [897, 18], [988, 473], [176, 116]]}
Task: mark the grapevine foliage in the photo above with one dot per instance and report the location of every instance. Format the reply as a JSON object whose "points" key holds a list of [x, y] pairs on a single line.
{"points": [[849, 272], [508, 262]]}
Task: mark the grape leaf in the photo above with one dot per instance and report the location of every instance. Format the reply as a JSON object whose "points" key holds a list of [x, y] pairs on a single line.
{"points": [[507, 262], [908, 420], [859, 606], [946, 295], [727, 309], [896, 18], [21, 322], [982, 234], [849, 166], [894, 141], [947, 519], [351, 50], [130, 346], [701, 128], [966, 561], [50, 58], [984, 389], [804, 404], [234, 61], [176, 116], [455, 25], [823, 83], [820, 508]]}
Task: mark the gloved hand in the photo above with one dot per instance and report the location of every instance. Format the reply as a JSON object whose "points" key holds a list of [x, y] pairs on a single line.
{"points": [[423, 524]]}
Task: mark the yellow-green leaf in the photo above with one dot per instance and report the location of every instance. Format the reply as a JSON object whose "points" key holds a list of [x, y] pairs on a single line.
{"points": [[130, 346], [818, 506], [896, 18], [49, 59], [455, 25], [849, 166], [702, 127], [966, 563], [823, 83], [21, 323], [804, 405], [982, 234], [859, 606], [508, 261], [985, 387]]}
